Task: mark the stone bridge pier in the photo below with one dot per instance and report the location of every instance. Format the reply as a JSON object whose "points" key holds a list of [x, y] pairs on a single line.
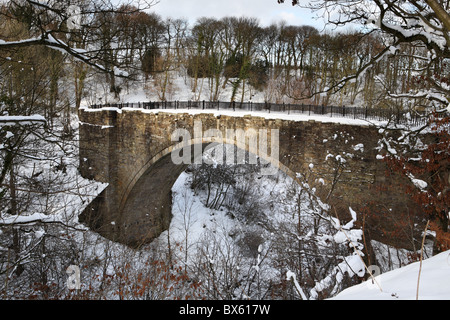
{"points": [[131, 151]]}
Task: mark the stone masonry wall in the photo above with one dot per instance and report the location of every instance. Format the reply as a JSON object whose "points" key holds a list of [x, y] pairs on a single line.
{"points": [[128, 149]]}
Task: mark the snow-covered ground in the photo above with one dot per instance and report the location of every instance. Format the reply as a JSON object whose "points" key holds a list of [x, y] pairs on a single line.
{"points": [[191, 220], [431, 282]]}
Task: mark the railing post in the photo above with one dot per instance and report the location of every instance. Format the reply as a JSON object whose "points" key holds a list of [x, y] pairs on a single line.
{"points": [[203, 105]]}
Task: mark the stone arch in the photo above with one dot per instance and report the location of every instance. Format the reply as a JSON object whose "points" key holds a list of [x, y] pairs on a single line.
{"points": [[205, 142], [145, 206]]}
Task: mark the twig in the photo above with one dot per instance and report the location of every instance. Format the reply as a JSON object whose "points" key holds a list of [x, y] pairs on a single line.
{"points": [[421, 257], [358, 253]]}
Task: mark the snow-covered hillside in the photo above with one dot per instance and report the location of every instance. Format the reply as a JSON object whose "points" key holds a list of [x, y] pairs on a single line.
{"points": [[190, 216], [195, 228], [401, 284]]}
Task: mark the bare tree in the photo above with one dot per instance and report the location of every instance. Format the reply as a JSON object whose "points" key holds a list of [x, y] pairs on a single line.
{"points": [[38, 176], [410, 22]]}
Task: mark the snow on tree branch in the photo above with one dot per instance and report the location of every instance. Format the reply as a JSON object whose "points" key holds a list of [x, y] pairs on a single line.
{"points": [[23, 120], [48, 40], [51, 20], [424, 24]]}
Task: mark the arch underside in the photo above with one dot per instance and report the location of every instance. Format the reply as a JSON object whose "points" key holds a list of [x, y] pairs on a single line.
{"points": [[147, 210]]}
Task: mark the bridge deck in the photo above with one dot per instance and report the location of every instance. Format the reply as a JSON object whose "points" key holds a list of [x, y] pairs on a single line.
{"points": [[317, 111]]}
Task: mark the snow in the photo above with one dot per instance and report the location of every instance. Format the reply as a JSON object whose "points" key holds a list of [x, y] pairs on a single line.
{"points": [[420, 184], [340, 159], [3, 42], [359, 147], [61, 46], [432, 37], [120, 73], [11, 120], [190, 216], [242, 113], [346, 233], [25, 219], [70, 193], [353, 213], [290, 275], [193, 223], [401, 283]]}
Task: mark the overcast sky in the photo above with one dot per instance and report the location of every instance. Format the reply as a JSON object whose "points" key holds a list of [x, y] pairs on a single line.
{"points": [[267, 11]]}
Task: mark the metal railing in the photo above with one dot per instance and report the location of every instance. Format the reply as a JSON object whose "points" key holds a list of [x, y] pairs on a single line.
{"points": [[365, 113]]}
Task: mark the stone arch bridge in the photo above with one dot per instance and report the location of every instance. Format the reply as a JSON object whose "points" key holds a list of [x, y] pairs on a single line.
{"points": [[132, 150]]}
